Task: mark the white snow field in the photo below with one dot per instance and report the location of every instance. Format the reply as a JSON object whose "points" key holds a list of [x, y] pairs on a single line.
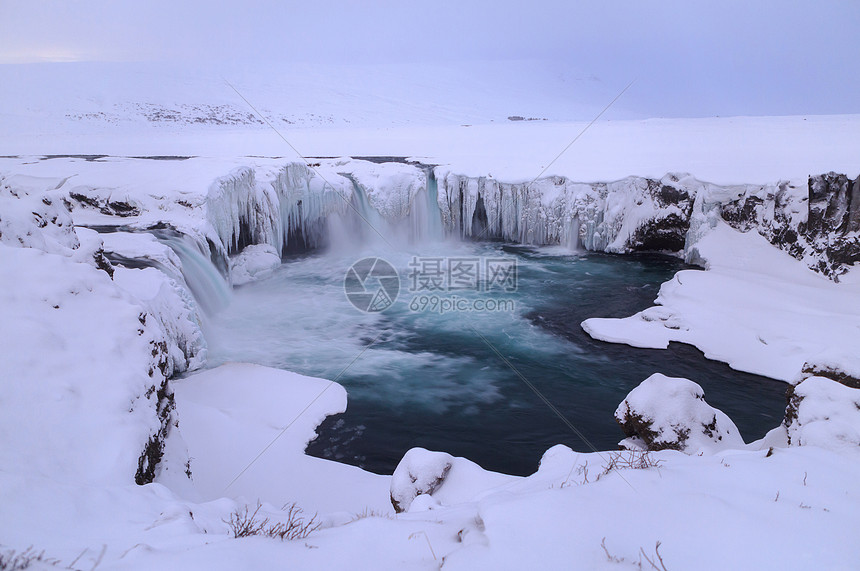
{"points": [[756, 308], [93, 324]]}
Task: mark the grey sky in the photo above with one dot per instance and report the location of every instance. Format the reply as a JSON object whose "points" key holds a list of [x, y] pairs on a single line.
{"points": [[691, 57]]}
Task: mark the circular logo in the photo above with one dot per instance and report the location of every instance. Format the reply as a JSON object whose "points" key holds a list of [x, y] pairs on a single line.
{"points": [[371, 285]]}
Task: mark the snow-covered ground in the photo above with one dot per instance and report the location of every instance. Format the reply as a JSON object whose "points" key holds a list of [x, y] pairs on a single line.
{"points": [[87, 346], [756, 308], [455, 116]]}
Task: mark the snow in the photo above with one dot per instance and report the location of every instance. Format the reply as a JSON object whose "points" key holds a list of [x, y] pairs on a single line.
{"points": [[671, 413], [824, 413], [455, 116], [232, 413], [255, 262], [428, 480], [33, 216], [175, 309], [755, 308], [89, 374]]}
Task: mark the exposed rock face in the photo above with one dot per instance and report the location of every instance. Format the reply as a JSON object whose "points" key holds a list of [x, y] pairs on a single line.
{"points": [[667, 413], [419, 472], [153, 451], [667, 232], [822, 227], [823, 412], [104, 204], [833, 226]]}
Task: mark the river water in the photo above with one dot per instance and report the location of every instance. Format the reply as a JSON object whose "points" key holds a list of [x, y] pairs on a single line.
{"points": [[424, 374]]}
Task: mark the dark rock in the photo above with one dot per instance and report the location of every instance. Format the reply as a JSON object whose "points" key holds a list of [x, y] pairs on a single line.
{"points": [[105, 206], [153, 451], [832, 228], [743, 214], [832, 373], [667, 234]]}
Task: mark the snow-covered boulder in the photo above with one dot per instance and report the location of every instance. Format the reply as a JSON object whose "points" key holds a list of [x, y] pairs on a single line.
{"points": [[419, 472], [254, 263], [669, 413], [448, 479], [822, 412]]}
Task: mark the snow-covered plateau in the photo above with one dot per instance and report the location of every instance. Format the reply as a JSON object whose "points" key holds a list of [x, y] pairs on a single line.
{"points": [[122, 450]]}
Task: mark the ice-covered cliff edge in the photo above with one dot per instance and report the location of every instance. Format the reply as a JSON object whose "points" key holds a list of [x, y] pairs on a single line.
{"points": [[817, 222], [226, 205]]}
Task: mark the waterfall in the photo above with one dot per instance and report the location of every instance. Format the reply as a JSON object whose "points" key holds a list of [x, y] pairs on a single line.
{"points": [[209, 288], [415, 219], [425, 215], [574, 242]]}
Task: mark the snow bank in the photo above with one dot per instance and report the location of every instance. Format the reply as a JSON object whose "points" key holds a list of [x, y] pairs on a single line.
{"points": [[233, 413], [755, 308], [93, 359], [667, 413], [822, 412]]}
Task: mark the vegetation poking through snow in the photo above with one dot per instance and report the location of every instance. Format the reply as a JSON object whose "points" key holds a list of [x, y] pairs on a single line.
{"points": [[245, 523], [653, 562], [369, 512], [629, 460], [14, 561]]}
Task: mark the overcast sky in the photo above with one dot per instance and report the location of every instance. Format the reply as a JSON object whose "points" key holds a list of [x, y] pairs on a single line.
{"points": [[691, 58]]}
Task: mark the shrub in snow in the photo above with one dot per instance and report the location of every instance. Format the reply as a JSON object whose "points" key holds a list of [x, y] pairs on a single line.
{"points": [[822, 412], [245, 523], [419, 472], [666, 413]]}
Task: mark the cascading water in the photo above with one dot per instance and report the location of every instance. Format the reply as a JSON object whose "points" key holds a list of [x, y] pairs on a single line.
{"points": [[362, 225], [574, 242], [425, 215], [210, 289]]}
